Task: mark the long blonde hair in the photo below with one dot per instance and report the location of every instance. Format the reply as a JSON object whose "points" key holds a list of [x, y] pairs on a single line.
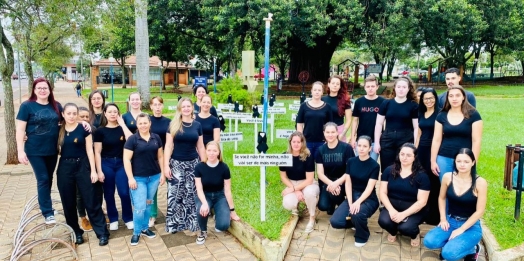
{"points": [[176, 124], [304, 151], [214, 143]]}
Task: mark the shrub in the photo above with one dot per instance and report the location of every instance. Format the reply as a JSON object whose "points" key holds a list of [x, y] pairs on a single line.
{"points": [[235, 87]]}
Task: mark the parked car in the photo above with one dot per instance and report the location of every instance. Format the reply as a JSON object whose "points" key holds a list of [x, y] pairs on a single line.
{"points": [[23, 76], [14, 76]]}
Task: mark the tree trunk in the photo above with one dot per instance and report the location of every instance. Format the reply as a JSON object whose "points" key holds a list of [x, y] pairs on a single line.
{"points": [[176, 83], [28, 67], [142, 51], [123, 65], [7, 64], [492, 62], [315, 60]]}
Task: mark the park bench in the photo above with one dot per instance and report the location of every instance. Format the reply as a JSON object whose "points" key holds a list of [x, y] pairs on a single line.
{"points": [[514, 154]]}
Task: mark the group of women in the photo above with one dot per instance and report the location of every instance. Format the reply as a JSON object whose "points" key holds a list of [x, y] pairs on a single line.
{"points": [[427, 160], [102, 151]]}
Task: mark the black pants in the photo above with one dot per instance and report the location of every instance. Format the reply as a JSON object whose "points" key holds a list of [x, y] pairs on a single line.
{"points": [[390, 143], [44, 167], [73, 173], [424, 156], [360, 220], [327, 201], [409, 228], [80, 207]]}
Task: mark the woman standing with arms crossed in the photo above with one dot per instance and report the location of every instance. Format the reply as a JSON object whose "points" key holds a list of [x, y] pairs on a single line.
{"points": [[184, 146], [362, 202], [311, 116], [76, 171], [401, 117], [427, 114], [213, 184], [38, 119], [135, 102], [459, 233], [299, 179], [159, 125], [404, 191], [97, 102], [338, 100], [142, 157], [331, 159], [109, 148], [210, 123], [458, 125], [200, 91]]}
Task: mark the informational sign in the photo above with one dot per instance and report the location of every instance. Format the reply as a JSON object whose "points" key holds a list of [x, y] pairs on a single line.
{"points": [[293, 117], [278, 104], [273, 110], [294, 107], [257, 120], [231, 136], [200, 80], [284, 134], [374, 68], [240, 115], [171, 108], [229, 106], [248, 160], [298, 102]]}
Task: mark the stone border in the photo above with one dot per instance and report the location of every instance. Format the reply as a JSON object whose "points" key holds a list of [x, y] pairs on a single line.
{"points": [[493, 249], [260, 246]]}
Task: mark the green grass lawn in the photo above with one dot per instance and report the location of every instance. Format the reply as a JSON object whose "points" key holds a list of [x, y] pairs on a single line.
{"points": [[501, 111]]}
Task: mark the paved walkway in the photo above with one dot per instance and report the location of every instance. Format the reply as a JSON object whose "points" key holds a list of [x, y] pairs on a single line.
{"points": [[18, 185]]}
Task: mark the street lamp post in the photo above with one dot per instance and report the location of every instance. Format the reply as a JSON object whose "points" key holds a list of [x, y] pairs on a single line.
{"points": [[111, 60], [161, 67], [130, 74], [215, 74]]}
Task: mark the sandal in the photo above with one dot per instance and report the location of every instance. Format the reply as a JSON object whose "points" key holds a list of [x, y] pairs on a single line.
{"points": [[392, 238], [415, 242]]}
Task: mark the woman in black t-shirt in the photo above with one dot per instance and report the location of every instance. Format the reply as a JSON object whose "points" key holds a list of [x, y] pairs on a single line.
{"points": [[142, 157], [362, 202], [183, 151], [400, 115], [97, 102], [109, 148], [210, 123], [338, 100], [331, 159], [299, 179], [76, 170], [200, 91], [427, 114], [213, 185], [130, 117], [404, 191]]}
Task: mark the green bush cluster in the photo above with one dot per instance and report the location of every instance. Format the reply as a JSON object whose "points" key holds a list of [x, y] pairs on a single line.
{"points": [[235, 87]]}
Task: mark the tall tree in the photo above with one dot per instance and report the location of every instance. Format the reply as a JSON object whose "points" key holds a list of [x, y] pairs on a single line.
{"points": [[142, 50]]}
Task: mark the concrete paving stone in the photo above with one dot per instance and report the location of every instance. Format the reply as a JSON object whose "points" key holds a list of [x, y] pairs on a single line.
{"points": [[335, 233], [389, 258], [243, 254], [371, 248], [312, 252], [349, 256], [178, 249], [375, 237], [216, 247], [390, 250], [386, 241], [409, 252], [330, 253], [161, 258], [104, 257], [309, 259], [198, 250], [333, 242], [295, 249], [224, 256], [183, 257], [291, 258]]}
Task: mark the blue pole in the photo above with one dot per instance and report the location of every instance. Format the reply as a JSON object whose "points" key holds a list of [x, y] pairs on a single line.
{"points": [[266, 72], [215, 75], [112, 88]]}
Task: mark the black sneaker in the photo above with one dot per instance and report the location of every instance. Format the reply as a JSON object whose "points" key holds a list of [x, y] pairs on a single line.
{"points": [[148, 233], [201, 239], [135, 239], [473, 257]]}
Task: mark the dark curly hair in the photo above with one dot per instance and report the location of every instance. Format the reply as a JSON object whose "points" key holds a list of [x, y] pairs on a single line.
{"points": [[416, 167]]}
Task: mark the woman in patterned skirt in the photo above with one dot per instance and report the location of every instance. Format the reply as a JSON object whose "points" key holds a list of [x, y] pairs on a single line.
{"points": [[183, 150]]}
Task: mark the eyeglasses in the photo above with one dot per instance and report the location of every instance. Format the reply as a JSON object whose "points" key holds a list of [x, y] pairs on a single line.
{"points": [[42, 89], [429, 99]]}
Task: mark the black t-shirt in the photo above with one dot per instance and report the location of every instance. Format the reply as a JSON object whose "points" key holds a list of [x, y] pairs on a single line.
{"points": [[112, 139], [458, 136], [185, 144], [130, 121], [361, 172], [212, 110], [332, 102], [41, 129], [299, 168], [212, 178], [399, 116], [97, 119], [334, 160], [209, 124], [314, 120], [74, 145], [366, 111], [405, 189], [427, 126], [159, 125], [145, 154]]}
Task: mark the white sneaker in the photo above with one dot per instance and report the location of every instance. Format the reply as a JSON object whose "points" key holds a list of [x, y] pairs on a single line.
{"points": [[130, 225], [294, 212], [359, 244], [310, 227], [113, 225], [152, 222], [218, 231]]}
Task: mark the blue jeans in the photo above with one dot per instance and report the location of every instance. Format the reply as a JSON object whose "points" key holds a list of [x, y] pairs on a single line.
{"points": [[79, 92], [456, 248], [372, 154], [145, 191], [313, 147], [44, 167], [445, 165], [217, 201], [115, 175]]}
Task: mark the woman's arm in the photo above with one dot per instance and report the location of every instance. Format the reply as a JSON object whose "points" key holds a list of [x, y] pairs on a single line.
{"points": [[216, 135], [128, 155], [422, 199], [300, 127], [476, 138], [383, 195], [415, 130], [91, 158], [204, 208], [201, 149], [417, 140], [379, 125], [354, 132], [310, 176], [122, 124], [168, 150], [160, 156], [286, 181], [347, 123], [435, 146], [442, 200], [20, 134], [367, 192], [98, 161], [322, 176], [349, 191], [229, 198]]}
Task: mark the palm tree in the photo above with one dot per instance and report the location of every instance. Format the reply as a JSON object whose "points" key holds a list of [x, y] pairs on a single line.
{"points": [[142, 50]]}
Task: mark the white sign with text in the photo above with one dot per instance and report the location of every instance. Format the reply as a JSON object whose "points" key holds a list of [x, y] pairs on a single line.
{"points": [[228, 106], [294, 107], [269, 121], [284, 134], [239, 115], [249, 160], [273, 110], [293, 117], [231, 136]]}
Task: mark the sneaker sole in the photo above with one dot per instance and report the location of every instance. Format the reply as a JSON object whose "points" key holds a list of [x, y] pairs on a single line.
{"points": [[50, 222], [134, 244], [200, 243], [148, 236]]}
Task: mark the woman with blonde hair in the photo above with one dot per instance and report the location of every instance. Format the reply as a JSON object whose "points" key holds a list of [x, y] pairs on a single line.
{"points": [[213, 184], [299, 179], [130, 117], [184, 134], [210, 123]]}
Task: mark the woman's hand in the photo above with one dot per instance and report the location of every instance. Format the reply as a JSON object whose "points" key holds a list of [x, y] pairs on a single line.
{"points": [[341, 136], [354, 143], [162, 179], [287, 190], [94, 177], [22, 158], [234, 216], [204, 210], [101, 176], [376, 147], [132, 183], [86, 126], [332, 187], [354, 208], [444, 225], [167, 173], [120, 121], [399, 217], [435, 169], [456, 233], [300, 195], [393, 215]]}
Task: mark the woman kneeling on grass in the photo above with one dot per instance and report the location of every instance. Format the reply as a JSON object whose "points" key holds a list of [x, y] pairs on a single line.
{"points": [[300, 179], [213, 185], [459, 233]]}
